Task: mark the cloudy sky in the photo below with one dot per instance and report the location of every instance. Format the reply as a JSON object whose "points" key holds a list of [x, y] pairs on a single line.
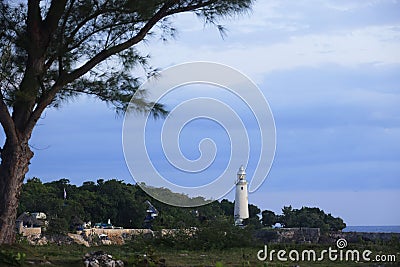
{"points": [[330, 72]]}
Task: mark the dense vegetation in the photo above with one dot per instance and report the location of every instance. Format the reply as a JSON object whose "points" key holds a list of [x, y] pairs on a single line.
{"points": [[133, 255], [304, 217], [124, 204]]}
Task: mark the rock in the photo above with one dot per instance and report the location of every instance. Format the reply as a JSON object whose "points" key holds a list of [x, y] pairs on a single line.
{"points": [[101, 259], [42, 241], [119, 263], [109, 263], [79, 239], [106, 242]]}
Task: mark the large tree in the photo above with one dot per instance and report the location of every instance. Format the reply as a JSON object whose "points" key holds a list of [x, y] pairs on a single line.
{"points": [[53, 50], [310, 217]]}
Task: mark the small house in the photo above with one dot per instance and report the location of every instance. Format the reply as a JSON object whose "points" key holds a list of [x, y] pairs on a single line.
{"points": [[31, 223]]}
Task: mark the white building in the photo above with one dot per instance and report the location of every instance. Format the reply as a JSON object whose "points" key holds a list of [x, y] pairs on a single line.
{"points": [[241, 198]]}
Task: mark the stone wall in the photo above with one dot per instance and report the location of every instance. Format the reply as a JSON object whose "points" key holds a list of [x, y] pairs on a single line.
{"points": [[30, 231], [134, 232], [79, 239], [289, 235], [313, 235], [116, 232]]}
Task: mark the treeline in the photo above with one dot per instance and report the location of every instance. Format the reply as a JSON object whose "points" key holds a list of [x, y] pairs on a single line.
{"points": [[124, 204], [304, 217]]}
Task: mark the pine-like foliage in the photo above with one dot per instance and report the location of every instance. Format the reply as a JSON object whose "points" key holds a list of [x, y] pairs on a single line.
{"points": [[88, 47]]}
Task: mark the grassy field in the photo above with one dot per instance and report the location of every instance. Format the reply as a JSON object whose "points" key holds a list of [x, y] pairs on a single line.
{"points": [[137, 255]]}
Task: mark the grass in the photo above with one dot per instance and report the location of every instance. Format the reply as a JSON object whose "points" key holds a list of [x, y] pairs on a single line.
{"points": [[133, 254]]}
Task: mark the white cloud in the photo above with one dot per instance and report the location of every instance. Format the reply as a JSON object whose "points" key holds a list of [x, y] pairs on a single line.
{"points": [[282, 35], [370, 45], [350, 5]]}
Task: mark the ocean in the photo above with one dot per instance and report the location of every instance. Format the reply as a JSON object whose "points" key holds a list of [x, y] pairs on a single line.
{"points": [[373, 229]]}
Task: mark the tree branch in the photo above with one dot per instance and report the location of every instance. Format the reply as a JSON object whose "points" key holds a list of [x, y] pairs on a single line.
{"points": [[6, 121], [49, 96], [86, 20], [98, 30], [104, 54], [43, 102], [66, 78], [34, 20], [60, 38], [190, 7], [55, 13]]}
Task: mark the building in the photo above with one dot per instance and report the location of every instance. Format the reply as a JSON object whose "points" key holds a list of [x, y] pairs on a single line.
{"points": [[31, 223], [241, 198]]}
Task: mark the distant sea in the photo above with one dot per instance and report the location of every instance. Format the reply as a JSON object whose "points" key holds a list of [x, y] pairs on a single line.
{"points": [[373, 229]]}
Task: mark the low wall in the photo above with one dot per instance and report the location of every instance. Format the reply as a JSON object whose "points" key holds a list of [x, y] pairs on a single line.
{"points": [[289, 235], [116, 232], [313, 235], [29, 231]]}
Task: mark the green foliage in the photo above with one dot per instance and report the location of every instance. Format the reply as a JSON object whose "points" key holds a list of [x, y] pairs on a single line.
{"points": [[58, 225], [170, 197], [71, 255], [122, 203], [88, 46], [227, 207], [253, 211], [268, 218], [148, 258], [10, 258], [115, 200], [253, 222], [310, 217], [220, 234]]}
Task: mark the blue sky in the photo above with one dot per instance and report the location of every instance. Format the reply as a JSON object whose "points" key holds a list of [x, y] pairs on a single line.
{"points": [[330, 72]]}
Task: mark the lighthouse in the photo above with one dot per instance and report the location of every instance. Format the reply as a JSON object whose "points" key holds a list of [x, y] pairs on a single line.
{"points": [[241, 198]]}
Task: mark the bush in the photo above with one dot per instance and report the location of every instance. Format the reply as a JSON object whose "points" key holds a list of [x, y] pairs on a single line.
{"points": [[218, 234], [58, 226], [9, 258]]}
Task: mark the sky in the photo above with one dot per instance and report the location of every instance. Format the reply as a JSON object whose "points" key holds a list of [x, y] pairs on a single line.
{"points": [[330, 73]]}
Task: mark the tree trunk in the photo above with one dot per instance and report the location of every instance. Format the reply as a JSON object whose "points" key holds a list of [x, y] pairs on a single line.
{"points": [[14, 165]]}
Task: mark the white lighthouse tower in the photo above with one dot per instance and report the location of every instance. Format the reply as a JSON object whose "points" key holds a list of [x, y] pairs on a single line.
{"points": [[241, 198]]}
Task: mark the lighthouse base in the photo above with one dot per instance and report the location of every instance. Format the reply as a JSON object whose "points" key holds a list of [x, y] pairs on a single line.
{"points": [[239, 222]]}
